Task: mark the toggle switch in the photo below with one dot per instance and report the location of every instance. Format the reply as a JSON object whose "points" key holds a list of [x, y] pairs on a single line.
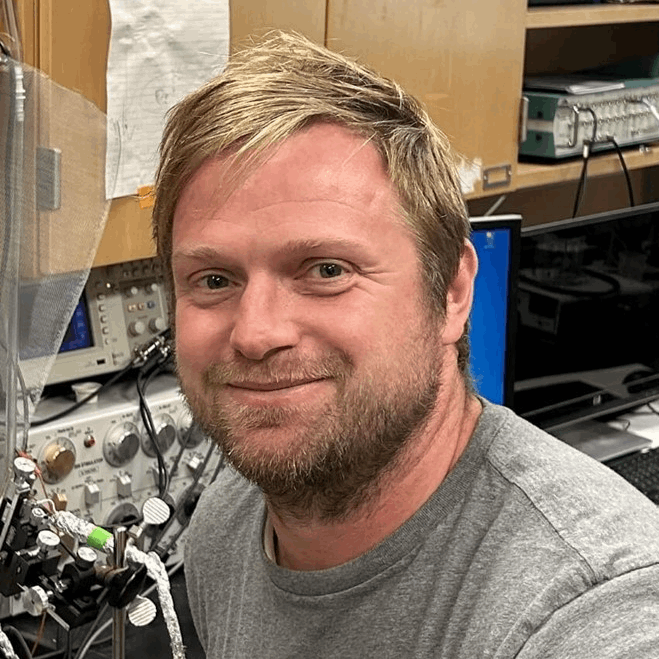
{"points": [[92, 494], [124, 485]]}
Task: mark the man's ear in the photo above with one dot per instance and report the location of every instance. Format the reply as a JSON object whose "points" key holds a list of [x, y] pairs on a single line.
{"points": [[459, 296]]}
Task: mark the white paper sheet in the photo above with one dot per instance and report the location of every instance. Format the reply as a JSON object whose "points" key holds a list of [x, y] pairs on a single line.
{"points": [[160, 50]]}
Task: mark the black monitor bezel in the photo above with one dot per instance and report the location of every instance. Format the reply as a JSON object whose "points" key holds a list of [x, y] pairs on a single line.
{"points": [[614, 407], [513, 223]]}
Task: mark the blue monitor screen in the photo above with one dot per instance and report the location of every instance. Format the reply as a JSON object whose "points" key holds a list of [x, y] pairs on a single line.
{"points": [[78, 334], [493, 310]]}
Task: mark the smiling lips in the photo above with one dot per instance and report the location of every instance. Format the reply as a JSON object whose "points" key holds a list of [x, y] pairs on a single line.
{"points": [[270, 386]]}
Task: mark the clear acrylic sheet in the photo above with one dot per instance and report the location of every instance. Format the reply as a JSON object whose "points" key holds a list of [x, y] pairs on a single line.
{"points": [[52, 215]]}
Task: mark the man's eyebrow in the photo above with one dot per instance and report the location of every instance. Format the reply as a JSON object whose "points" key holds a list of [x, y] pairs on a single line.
{"points": [[304, 245], [200, 253], [294, 247]]}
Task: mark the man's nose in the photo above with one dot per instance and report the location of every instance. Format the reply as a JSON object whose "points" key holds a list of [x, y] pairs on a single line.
{"points": [[264, 321]]}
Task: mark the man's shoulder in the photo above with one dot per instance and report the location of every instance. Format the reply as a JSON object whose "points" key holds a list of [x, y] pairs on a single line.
{"points": [[593, 510]]}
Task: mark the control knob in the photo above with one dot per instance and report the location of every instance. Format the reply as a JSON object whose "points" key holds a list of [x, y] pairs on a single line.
{"points": [[190, 434], [47, 541], [166, 434], [158, 324], [57, 459], [137, 328], [36, 600], [141, 611], [121, 444]]}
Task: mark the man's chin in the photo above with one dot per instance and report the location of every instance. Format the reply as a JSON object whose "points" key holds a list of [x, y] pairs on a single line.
{"points": [[267, 456]]}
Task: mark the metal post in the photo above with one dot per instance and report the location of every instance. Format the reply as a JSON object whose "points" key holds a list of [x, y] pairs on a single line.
{"points": [[119, 614]]}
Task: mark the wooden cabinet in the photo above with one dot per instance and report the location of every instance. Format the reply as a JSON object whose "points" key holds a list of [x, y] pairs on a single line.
{"points": [[69, 41], [464, 59]]}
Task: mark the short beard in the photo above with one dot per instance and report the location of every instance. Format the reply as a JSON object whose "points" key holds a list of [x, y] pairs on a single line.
{"points": [[334, 466]]}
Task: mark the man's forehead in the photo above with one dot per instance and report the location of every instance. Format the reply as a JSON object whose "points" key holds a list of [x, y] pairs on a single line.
{"points": [[322, 161]]}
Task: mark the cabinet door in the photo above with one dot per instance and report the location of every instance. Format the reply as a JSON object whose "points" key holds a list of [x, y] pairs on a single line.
{"points": [[73, 42], [461, 58], [73, 47]]}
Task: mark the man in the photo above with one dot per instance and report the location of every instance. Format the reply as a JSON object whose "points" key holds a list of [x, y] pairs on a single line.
{"points": [[310, 219]]}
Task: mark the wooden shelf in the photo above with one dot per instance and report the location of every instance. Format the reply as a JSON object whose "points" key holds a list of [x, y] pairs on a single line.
{"points": [[581, 15], [531, 175]]}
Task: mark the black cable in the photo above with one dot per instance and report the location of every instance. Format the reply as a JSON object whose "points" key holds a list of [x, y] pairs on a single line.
{"points": [[157, 348], [94, 626], [187, 436], [162, 552], [581, 186], [218, 467], [149, 426], [185, 439], [628, 180], [18, 643], [86, 399], [144, 378]]}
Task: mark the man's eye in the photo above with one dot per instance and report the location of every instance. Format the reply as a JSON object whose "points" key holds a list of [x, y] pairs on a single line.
{"points": [[329, 270], [215, 282]]}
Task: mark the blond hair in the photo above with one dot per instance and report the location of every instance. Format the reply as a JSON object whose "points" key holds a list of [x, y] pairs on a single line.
{"points": [[283, 84]]}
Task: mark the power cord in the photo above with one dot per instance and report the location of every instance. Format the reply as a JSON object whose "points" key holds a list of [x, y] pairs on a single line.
{"points": [[163, 552], [18, 644], [623, 164], [143, 380], [581, 186], [158, 347], [55, 417], [587, 148]]}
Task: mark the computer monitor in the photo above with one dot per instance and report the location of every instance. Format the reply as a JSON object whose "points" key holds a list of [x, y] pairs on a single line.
{"points": [[588, 330], [493, 315]]}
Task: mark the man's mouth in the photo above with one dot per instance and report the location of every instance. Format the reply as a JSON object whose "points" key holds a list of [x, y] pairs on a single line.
{"points": [[270, 386]]}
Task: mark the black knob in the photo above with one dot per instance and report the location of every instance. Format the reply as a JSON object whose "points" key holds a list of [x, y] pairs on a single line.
{"points": [[125, 585]]}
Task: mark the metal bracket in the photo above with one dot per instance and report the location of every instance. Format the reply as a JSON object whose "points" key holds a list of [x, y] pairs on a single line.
{"points": [[49, 179], [523, 120], [497, 176]]}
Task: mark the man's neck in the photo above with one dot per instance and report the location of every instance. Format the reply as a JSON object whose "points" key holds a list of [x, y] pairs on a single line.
{"points": [[315, 545]]}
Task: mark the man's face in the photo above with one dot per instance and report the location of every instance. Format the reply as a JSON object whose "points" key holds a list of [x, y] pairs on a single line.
{"points": [[302, 342]]}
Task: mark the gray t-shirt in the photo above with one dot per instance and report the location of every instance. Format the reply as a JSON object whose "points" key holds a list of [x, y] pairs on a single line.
{"points": [[528, 549]]}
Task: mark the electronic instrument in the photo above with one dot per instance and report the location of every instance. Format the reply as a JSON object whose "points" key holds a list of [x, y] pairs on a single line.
{"points": [[562, 114], [99, 463], [122, 307]]}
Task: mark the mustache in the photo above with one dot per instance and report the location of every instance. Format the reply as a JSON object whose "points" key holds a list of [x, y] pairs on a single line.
{"points": [[336, 365]]}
